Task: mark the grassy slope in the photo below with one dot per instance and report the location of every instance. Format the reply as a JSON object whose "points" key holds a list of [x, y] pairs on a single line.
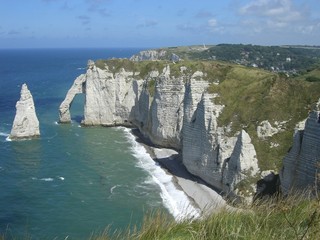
{"points": [[293, 218]]}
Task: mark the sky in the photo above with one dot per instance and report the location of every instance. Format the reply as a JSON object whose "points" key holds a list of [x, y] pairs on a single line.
{"points": [[162, 23]]}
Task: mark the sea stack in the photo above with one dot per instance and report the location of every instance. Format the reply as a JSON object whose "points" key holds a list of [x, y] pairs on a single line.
{"points": [[25, 124]]}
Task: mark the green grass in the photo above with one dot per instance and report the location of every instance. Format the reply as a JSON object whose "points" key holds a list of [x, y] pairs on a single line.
{"points": [[252, 95], [292, 218]]}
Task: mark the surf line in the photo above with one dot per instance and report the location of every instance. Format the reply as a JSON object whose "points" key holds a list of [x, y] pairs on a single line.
{"points": [[175, 200]]}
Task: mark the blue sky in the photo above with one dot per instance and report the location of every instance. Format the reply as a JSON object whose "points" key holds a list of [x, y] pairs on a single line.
{"points": [[151, 23]]}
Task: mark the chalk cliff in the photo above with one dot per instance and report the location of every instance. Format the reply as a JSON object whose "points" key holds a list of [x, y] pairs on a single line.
{"points": [[171, 106], [301, 165], [25, 124]]}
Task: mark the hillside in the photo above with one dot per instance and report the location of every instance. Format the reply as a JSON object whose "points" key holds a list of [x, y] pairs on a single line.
{"points": [[291, 60]]}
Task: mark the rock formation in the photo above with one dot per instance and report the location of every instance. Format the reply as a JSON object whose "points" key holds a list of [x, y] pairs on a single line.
{"points": [[301, 165], [242, 163], [265, 130], [172, 109], [150, 55], [25, 124]]}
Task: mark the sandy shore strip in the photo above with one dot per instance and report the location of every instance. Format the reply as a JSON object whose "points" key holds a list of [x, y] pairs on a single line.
{"points": [[203, 197]]}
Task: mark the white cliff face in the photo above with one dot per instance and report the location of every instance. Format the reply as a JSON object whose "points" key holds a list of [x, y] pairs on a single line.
{"points": [[302, 163], [166, 112], [150, 55], [242, 163], [25, 124], [109, 98], [207, 152]]}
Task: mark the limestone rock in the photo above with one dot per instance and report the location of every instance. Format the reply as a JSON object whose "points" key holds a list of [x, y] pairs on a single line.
{"points": [[266, 130], [166, 111], [25, 124], [301, 164], [242, 163], [76, 88], [150, 55], [109, 98], [204, 145]]}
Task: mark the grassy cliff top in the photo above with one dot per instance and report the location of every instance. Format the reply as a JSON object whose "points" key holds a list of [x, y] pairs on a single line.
{"points": [[250, 95]]}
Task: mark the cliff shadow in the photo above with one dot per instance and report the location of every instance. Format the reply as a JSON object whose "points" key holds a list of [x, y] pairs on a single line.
{"points": [[172, 164]]}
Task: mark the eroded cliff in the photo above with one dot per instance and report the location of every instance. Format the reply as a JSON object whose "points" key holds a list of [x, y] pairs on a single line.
{"points": [[171, 106], [302, 163]]}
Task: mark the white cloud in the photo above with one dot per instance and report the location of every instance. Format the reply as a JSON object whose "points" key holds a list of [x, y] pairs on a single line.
{"points": [[277, 15], [214, 26], [213, 22]]}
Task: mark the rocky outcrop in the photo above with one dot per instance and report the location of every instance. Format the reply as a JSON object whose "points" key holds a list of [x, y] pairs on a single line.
{"points": [[155, 55], [77, 87], [242, 163], [166, 111], [200, 133], [301, 164], [265, 130], [109, 98], [150, 55], [25, 124]]}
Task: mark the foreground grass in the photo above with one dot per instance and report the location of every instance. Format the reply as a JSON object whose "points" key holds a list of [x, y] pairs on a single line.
{"points": [[293, 218]]}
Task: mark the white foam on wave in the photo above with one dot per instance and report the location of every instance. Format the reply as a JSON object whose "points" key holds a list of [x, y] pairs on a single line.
{"points": [[4, 134], [46, 179], [113, 188], [175, 200]]}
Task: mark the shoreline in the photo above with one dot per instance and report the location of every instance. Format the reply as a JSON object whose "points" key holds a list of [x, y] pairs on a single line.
{"points": [[201, 196]]}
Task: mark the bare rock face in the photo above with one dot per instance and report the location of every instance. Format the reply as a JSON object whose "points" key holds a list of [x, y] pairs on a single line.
{"points": [[301, 165], [150, 55], [266, 130], [242, 163], [25, 124], [166, 111], [109, 98], [76, 88]]}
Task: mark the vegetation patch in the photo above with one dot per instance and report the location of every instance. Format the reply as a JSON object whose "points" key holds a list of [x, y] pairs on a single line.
{"points": [[290, 218], [252, 95]]}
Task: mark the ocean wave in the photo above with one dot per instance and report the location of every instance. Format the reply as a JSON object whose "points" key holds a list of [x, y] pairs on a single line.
{"points": [[48, 179], [175, 200], [113, 188], [4, 134]]}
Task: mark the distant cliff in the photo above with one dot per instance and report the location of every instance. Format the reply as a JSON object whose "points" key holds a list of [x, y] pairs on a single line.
{"points": [[206, 110]]}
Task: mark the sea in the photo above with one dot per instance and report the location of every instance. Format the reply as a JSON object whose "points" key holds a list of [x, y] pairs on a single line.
{"points": [[73, 182]]}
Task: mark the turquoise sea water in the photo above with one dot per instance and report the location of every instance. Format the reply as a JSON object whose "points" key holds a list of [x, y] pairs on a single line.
{"points": [[73, 180]]}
